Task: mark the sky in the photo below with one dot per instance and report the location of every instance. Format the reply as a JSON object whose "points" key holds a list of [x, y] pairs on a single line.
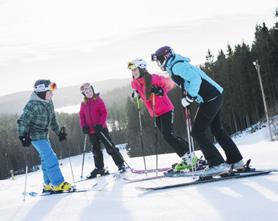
{"points": [[71, 42]]}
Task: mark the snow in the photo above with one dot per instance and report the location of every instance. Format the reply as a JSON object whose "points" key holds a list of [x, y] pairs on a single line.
{"points": [[246, 199], [72, 109]]}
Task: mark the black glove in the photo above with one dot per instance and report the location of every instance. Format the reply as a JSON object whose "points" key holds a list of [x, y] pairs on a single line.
{"points": [[157, 90], [86, 130], [98, 128], [62, 134], [25, 140]]}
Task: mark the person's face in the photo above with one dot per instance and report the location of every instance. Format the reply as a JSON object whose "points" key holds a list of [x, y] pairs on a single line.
{"points": [[48, 95], [89, 92], [135, 73]]}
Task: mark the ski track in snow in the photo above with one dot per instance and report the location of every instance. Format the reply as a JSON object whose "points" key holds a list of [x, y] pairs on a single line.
{"points": [[246, 199]]}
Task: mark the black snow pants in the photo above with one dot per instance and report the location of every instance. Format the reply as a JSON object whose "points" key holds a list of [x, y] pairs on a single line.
{"points": [[207, 116], [165, 125], [95, 140]]}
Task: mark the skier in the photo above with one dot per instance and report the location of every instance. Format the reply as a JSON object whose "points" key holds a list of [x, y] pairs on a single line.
{"points": [[153, 89], [93, 116], [199, 87], [33, 124]]}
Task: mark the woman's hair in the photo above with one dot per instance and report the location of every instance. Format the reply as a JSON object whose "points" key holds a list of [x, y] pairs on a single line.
{"points": [[148, 83]]}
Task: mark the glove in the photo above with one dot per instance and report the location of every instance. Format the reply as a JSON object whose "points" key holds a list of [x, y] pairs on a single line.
{"points": [[98, 128], [186, 100], [86, 130], [157, 90], [135, 95], [62, 134], [25, 140]]}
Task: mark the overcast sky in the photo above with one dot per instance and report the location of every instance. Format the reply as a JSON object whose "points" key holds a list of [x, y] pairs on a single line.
{"points": [[72, 41]]}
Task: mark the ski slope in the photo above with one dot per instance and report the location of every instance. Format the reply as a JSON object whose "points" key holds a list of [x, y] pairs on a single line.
{"points": [[246, 199]]}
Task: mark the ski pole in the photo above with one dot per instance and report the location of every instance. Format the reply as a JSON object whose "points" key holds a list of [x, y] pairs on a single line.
{"points": [[26, 174], [63, 130], [155, 134], [189, 138], [141, 133], [83, 158], [113, 146]]}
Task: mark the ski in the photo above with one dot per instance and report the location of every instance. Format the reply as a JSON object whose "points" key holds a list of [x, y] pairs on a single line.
{"points": [[102, 184], [34, 194], [182, 173], [130, 180], [149, 170], [93, 179], [207, 180]]}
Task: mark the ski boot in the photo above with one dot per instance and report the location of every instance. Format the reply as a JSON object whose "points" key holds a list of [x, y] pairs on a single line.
{"points": [[218, 170], [121, 168], [189, 161], [96, 172], [238, 165], [62, 187], [47, 188], [201, 164]]}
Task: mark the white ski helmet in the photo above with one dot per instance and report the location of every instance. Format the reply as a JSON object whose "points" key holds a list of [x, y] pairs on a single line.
{"points": [[137, 63]]}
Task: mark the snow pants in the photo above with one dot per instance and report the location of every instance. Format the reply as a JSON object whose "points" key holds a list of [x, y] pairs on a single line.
{"points": [[50, 165], [207, 116], [165, 125], [95, 140]]}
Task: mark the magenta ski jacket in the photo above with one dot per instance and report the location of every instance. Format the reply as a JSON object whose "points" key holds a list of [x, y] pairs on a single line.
{"points": [[93, 112], [162, 104]]}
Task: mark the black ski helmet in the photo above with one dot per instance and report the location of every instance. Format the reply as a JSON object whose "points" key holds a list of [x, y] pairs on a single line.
{"points": [[162, 55], [41, 87]]}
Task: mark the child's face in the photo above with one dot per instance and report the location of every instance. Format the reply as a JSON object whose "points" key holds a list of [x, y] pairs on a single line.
{"points": [[135, 73], [89, 92], [48, 95]]}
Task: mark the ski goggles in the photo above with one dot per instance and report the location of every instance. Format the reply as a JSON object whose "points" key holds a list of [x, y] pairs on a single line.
{"points": [[85, 86], [131, 66], [42, 88]]}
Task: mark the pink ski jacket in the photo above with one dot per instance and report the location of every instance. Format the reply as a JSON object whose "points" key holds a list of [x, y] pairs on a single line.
{"points": [[93, 112], [162, 104]]}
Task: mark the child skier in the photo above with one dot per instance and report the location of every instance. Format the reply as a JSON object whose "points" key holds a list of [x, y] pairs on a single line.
{"points": [[93, 116], [199, 87], [33, 124], [153, 89]]}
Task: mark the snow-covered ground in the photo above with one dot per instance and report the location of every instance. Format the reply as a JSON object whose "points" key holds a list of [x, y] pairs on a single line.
{"points": [[69, 109], [246, 199]]}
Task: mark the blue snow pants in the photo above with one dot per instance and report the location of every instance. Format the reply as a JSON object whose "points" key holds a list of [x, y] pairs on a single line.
{"points": [[50, 165]]}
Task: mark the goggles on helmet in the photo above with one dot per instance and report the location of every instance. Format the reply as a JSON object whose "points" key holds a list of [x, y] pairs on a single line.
{"points": [[85, 86], [42, 88], [131, 66]]}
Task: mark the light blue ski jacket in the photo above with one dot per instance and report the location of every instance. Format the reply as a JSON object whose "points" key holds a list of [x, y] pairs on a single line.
{"points": [[197, 83]]}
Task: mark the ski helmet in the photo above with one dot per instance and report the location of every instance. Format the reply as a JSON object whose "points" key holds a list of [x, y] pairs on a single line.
{"points": [[137, 63], [84, 86], [42, 86], [162, 55]]}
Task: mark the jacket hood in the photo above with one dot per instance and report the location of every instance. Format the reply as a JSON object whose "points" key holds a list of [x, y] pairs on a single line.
{"points": [[175, 58], [35, 97]]}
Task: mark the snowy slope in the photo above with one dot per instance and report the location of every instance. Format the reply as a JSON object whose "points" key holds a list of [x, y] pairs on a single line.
{"points": [[247, 199]]}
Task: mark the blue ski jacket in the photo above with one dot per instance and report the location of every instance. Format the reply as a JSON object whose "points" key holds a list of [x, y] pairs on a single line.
{"points": [[192, 79]]}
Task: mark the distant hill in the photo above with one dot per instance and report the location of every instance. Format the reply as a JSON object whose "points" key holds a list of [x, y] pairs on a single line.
{"points": [[67, 96]]}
